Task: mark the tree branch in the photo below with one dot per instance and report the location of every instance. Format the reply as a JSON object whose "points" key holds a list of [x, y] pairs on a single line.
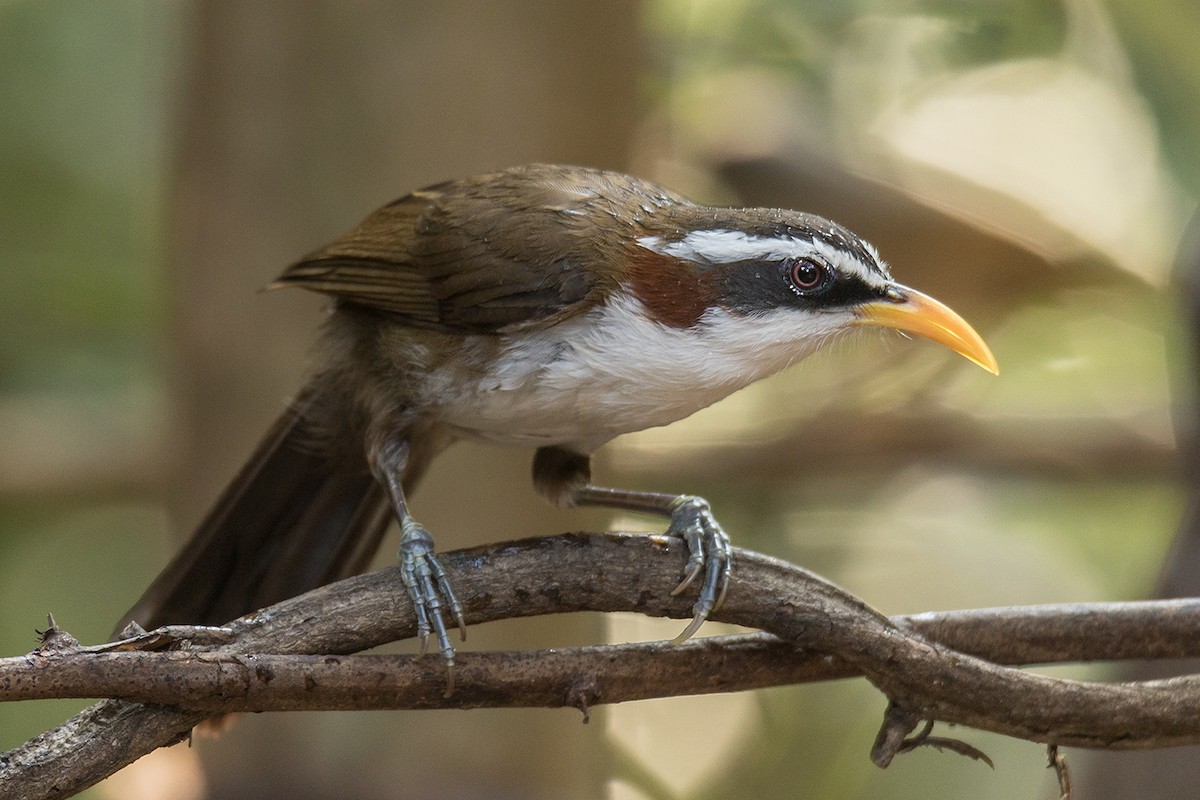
{"points": [[224, 682], [822, 631]]}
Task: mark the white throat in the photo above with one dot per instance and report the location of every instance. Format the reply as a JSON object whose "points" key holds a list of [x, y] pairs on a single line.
{"points": [[614, 370]]}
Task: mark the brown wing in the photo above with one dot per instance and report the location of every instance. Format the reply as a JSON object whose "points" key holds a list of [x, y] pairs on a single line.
{"points": [[497, 252]]}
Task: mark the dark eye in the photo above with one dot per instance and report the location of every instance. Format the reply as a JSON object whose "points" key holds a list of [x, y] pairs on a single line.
{"points": [[807, 276]]}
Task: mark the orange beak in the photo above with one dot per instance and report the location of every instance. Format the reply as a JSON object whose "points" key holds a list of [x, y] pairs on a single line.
{"points": [[919, 314]]}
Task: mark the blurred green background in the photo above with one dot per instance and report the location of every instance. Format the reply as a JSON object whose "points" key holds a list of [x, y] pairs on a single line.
{"points": [[1031, 163]]}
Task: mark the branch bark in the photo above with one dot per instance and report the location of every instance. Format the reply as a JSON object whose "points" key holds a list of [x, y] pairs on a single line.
{"points": [[227, 682], [929, 666]]}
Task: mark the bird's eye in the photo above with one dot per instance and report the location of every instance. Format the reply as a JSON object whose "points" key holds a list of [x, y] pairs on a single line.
{"points": [[807, 276]]}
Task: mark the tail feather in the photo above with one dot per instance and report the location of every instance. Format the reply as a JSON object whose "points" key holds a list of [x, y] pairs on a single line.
{"points": [[293, 519]]}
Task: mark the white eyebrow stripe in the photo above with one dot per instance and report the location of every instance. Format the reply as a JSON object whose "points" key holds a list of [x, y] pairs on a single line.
{"points": [[728, 247], [724, 246], [838, 259]]}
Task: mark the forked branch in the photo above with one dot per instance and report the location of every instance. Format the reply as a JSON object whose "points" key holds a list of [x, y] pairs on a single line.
{"points": [[930, 667]]}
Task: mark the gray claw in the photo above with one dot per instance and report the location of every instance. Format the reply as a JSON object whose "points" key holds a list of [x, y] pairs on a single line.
{"points": [[693, 570]]}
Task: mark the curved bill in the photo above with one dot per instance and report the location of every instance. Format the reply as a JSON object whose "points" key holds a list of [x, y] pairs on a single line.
{"points": [[919, 314]]}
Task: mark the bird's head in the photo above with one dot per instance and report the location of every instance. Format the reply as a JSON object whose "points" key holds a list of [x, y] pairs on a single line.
{"points": [[788, 279]]}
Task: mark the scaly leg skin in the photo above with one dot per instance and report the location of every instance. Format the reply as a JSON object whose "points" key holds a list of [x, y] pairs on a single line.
{"points": [[428, 587], [563, 477], [710, 551], [430, 592]]}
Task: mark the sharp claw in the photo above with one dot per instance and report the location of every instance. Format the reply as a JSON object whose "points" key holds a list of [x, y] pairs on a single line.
{"points": [[462, 624], [691, 629], [449, 678], [724, 589], [423, 637], [688, 577]]}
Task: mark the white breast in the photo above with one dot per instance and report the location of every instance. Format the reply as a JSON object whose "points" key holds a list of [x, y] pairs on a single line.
{"points": [[613, 371]]}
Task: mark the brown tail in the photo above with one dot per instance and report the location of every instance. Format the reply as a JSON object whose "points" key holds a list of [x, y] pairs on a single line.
{"points": [[293, 519]]}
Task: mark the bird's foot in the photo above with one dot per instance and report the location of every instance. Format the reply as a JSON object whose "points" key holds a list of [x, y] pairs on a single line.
{"points": [[431, 594], [710, 554]]}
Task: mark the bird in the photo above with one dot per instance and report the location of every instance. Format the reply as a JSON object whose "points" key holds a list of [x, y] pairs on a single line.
{"points": [[545, 306]]}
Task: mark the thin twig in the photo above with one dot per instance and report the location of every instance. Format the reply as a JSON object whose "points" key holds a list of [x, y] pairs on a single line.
{"points": [[1058, 762]]}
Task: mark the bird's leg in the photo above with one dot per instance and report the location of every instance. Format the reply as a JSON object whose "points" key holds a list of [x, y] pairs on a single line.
{"points": [[564, 478], [424, 578]]}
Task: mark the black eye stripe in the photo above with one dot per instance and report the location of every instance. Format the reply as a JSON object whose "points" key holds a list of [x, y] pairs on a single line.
{"points": [[754, 286]]}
